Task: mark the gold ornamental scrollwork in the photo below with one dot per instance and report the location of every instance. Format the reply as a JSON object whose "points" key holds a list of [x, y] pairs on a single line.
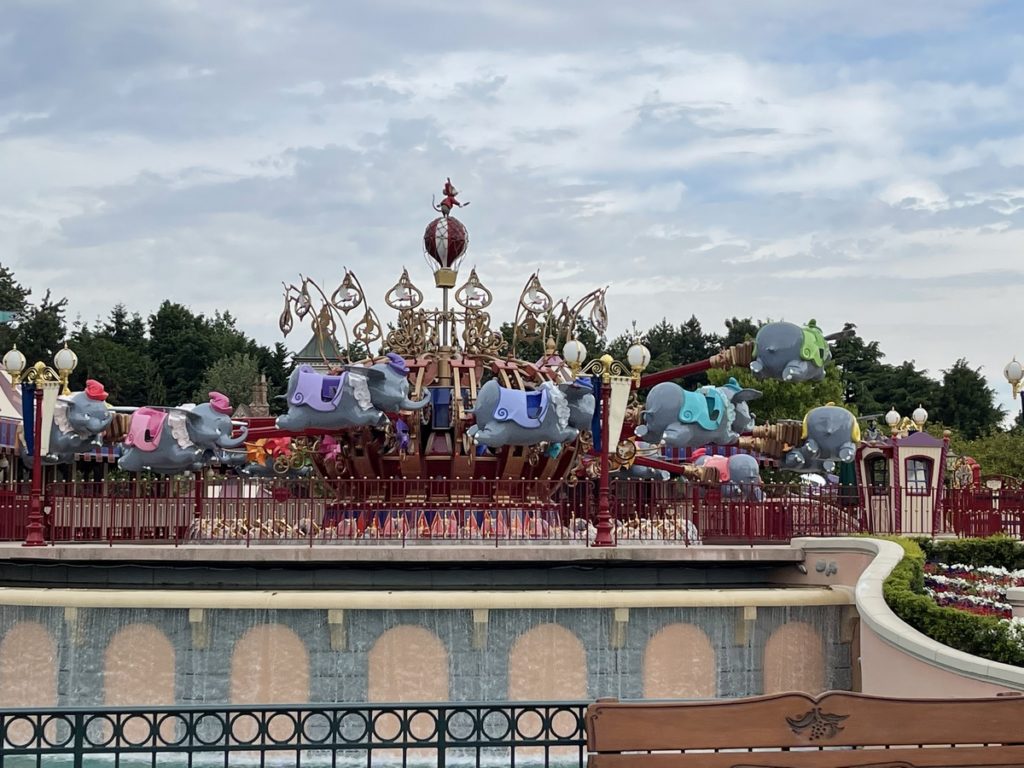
{"points": [[404, 295], [473, 294], [348, 295], [532, 312], [416, 332], [327, 315]]}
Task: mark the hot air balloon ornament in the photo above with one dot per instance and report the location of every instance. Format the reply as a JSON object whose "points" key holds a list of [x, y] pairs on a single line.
{"points": [[446, 240]]}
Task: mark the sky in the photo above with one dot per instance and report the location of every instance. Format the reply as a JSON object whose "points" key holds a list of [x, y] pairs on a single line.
{"points": [[788, 159]]}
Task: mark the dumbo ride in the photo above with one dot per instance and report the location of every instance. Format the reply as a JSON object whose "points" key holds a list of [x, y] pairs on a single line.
{"points": [[830, 434], [357, 397], [739, 475], [550, 414], [686, 419], [183, 439], [79, 421], [788, 352]]}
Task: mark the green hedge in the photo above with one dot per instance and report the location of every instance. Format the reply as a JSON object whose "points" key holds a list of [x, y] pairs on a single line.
{"points": [[1001, 551], [984, 636]]}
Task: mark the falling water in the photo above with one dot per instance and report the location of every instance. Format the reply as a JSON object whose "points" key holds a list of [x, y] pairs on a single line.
{"points": [[147, 656]]}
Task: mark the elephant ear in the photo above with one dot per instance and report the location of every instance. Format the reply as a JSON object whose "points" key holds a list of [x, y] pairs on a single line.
{"points": [[373, 375], [60, 416], [177, 422], [360, 386], [746, 395]]}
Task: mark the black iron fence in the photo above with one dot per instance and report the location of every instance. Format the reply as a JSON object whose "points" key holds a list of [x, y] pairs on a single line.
{"points": [[429, 734]]}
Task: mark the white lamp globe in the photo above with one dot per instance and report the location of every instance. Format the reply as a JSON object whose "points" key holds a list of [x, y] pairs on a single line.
{"points": [[919, 416], [574, 352], [1014, 372], [14, 361], [65, 360], [892, 418], [638, 356]]}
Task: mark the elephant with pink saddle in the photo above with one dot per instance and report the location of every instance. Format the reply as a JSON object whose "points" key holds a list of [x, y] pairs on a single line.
{"points": [[183, 439]]}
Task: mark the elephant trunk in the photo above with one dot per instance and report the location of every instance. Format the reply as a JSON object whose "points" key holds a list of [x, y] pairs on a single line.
{"points": [[413, 405], [233, 442]]}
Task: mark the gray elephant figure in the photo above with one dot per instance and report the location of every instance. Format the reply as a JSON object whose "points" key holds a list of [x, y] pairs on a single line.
{"points": [[550, 414], [183, 439], [685, 419], [830, 435], [788, 352], [79, 421], [357, 397], [739, 475]]}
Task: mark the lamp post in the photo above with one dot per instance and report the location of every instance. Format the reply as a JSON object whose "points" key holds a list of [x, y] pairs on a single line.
{"points": [[14, 363], [574, 353], [900, 425], [1014, 373]]}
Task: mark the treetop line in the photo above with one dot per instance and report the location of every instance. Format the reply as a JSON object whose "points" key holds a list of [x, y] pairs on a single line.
{"points": [[175, 355]]}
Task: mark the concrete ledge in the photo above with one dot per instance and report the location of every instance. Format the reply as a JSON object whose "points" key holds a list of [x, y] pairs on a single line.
{"points": [[270, 554], [423, 600], [876, 614]]}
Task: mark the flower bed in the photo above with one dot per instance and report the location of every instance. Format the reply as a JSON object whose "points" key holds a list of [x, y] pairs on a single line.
{"points": [[977, 589], [981, 632]]}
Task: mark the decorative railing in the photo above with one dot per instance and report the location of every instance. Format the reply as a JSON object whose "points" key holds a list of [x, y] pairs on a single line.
{"points": [[495, 511], [442, 734]]}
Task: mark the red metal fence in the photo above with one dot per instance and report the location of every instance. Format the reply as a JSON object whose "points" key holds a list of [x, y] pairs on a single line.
{"points": [[492, 511]]}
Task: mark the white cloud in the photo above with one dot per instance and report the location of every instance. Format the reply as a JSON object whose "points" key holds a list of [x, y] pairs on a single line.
{"points": [[848, 162]]}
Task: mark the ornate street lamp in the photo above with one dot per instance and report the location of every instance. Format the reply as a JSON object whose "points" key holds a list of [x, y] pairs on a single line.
{"points": [[892, 420], [901, 425], [919, 417], [1014, 373], [32, 385], [638, 356]]}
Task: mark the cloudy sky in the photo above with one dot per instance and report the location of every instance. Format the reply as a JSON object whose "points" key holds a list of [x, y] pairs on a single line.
{"points": [[856, 162]]}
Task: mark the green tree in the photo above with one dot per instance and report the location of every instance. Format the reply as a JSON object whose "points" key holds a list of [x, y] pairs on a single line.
{"points": [[784, 399], [233, 376], [998, 453], [13, 298], [181, 348], [672, 346], [902, 387], [859, 362], [276, 365], [128, 374], [966, 403], [739, 330], [124, 329], [41, 330]]}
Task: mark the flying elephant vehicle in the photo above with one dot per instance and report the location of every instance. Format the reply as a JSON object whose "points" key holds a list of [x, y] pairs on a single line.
{"points": [[437, 425]]}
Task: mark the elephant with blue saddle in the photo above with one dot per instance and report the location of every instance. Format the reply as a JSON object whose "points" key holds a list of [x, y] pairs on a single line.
{"points": [[830, 435], [710, 415], [357, 397], [552, 414], [79, 421], [183, 439]]}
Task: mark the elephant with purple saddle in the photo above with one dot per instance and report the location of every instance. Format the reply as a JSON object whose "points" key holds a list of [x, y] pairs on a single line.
{"points": [[685, 419], [79, 421], [357, 397], [552, 414], [830, 434], [183, 439]]}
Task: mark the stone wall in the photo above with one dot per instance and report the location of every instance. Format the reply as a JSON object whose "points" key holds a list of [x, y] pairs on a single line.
{"points": [[95, 657]]}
